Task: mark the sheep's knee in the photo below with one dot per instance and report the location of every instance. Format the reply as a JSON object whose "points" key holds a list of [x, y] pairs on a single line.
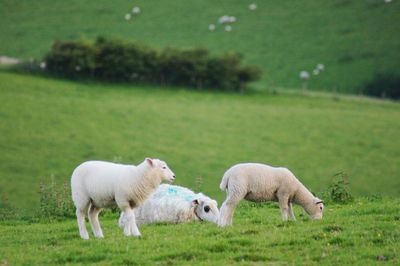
{"points": [[80, 217], [121, 220], [93, 214], [226, 212], [129, 223], [284, 206]]}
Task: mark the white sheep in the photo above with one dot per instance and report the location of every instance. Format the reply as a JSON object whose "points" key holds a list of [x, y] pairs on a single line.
{"points": [[175, 204], [252, 6], [136, 10], [128, 16], [97, 184], [259, 182], [228, 28], [211, 27]]}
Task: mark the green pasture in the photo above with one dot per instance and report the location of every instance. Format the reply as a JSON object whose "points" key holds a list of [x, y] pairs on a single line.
{"points": [[366, 232], [49, 126], [353, 39]]}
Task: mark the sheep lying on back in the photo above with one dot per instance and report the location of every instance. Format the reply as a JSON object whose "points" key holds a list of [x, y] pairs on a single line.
{"points": [[175, 204], [96, 185], [260, 182]]}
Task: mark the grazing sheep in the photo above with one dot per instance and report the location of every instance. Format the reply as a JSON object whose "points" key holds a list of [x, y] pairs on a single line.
{"points": [[211, 27], [228, 28], [136, 10], [252, 6], [97, 184], [224, 19], [260, 182], [128, 16], [175, 204], [304, 75]]}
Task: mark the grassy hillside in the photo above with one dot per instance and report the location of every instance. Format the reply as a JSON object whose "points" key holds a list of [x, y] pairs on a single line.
{"points": [[363, 233], [48, 127], [354, 39]]}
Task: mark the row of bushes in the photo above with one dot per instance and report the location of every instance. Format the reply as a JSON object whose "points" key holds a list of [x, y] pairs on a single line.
{"points": [[114, 60], [385, 85]]}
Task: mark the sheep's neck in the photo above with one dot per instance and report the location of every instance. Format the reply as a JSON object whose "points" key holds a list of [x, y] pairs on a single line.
{"points": [[145, 184], [303, 197]]}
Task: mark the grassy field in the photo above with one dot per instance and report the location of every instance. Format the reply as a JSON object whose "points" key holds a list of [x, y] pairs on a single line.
{"points": [[354, 39], [363, 233], [48, 127]]}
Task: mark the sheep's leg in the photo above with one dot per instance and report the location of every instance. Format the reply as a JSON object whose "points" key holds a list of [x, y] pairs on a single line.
{"points": [[80, 217], [121, 220], [227, 209], [284, 205], [93, 214], [129, 222], [291, 213]]}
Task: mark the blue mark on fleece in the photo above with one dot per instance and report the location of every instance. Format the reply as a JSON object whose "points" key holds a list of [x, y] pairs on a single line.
{"points": [[179, 192]]}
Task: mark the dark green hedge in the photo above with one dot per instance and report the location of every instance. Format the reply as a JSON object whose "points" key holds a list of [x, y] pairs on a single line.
{"points": [[385, 85], [114, 60]]}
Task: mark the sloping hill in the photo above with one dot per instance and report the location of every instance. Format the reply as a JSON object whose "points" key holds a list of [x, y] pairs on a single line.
{"points": [[48, 127], [353, 39]]}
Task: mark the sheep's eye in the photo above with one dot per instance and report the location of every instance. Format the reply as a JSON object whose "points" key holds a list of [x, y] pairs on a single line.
{"points": [[164, 167], [207, 208], [320, 208]]}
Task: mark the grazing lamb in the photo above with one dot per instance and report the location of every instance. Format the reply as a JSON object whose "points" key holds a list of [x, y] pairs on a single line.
{"points": [[260, 182], [97, 184], [175, 204]]}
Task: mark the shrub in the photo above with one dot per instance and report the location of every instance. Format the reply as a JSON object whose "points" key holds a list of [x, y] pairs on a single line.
{"points": [[55, 201], [338, 190], [71, 59], [383, 85], [114, 60]]}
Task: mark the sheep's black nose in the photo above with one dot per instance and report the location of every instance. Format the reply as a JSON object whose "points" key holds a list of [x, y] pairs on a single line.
{"points": [[173, 176]]}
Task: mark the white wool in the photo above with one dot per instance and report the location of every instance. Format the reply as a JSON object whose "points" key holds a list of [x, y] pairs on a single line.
{"points": [[211, 27], [224, 19], [97, 184], [260, 182], [136, 10], [252, 6], [128, 16], [176, 204], [304, 75]]}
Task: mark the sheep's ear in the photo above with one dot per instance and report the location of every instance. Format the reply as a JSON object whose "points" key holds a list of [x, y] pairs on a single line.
{"points": [[149, 161], [195, 202], [318, 201]]}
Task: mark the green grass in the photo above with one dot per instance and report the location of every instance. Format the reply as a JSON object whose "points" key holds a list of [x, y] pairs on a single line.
{"points": [[48, 127], [354, 39], [362, 233]]}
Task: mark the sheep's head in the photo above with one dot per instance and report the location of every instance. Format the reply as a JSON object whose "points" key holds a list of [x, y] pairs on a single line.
{"points": [[161, 168], [316, 209], [206, 209]]}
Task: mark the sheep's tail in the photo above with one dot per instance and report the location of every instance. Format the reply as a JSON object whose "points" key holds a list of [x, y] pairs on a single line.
{"points": [[224, 182]]}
